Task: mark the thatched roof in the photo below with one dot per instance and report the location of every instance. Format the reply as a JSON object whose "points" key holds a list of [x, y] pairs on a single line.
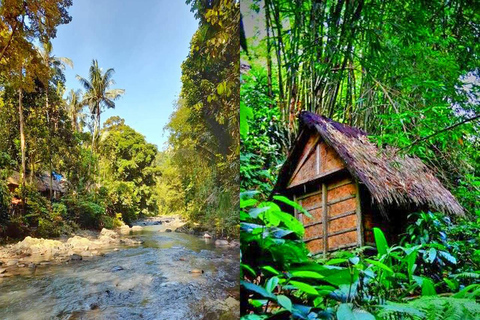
{"points": [[42, 182], [392, 179]]}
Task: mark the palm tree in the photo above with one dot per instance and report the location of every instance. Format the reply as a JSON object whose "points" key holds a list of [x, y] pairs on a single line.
{"points": [[97, 93], [74, 108], [56, 66]]}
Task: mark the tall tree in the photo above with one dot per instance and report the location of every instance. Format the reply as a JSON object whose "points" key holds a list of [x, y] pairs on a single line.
{"points": [[98, 94], [74, 108], [21, 24], [56, 66]]}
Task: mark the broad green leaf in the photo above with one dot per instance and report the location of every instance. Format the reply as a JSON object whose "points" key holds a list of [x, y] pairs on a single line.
{"points": [[257, 302], [292, 204], [257, 289], [448, 257], [306, 274], [271, 284], [428, 289], [246, 113], [431, 255], [256, 211], [379, 265], [248, 203], [254, 317], [380, 241], [270, 269], [304, 287], [285, 302], [411, 265], [249, 269], [335, 261], [290, 222]]}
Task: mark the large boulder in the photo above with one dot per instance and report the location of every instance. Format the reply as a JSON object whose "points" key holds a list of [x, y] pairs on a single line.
{"points": [[137, 228], [79, 243], [124, 229], [34, 246], [108, 236]]}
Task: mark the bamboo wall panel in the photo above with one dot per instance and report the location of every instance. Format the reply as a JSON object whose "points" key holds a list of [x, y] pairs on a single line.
{"points": [[342, 207], [342, 240], [315, 246], [313, 231], [312, 201], [307, 166], [329, 158], [316, 216], [308, 170], [341, 224], [341, 192]]}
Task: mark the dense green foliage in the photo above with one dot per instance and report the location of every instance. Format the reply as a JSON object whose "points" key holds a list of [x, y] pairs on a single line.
{"points": [[108, 175], [200, 166], [127, 170], [407, 73], [282, 281]]}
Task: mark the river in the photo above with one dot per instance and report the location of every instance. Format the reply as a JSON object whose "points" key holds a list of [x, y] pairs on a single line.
{"points": [[153, 280]]}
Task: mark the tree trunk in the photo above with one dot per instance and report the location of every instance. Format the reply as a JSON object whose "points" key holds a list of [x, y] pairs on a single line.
{"points": [[22, 148], [49, 144], [269, 49]]}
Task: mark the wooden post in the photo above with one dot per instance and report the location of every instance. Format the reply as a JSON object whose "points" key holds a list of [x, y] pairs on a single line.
{"points": [[295, 209], [360, 237], [325, 219]]}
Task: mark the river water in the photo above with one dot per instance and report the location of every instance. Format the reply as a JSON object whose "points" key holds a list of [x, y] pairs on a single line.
{"points": [[153, 280]]}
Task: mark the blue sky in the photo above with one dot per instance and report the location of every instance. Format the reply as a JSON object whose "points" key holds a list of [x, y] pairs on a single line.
{"points": [[144, 41]]}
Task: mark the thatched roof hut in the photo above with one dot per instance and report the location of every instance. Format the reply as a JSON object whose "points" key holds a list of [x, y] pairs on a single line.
{"points": [[42, 182], [389, 184]]}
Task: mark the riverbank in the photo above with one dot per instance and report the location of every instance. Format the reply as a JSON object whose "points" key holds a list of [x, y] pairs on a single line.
{"points": [[30, 253]]}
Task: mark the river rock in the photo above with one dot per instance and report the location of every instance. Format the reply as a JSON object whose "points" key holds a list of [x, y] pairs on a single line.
{"points": [[124, 229], [3, 270], [234, 243], [39, 246], [79, 243], [232, 303], [137, 228], [5, 275], [197, 271], [207, 236], [11, 263], [116, 268], [168, 230], [108, 236], [221, 243], [75, 257]]}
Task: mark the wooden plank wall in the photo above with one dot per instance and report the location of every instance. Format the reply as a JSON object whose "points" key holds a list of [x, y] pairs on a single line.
{"points": [[317, 159], [336, 220]]}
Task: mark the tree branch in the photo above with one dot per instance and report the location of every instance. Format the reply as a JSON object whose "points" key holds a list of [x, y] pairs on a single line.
{"points": [[417, 141]]}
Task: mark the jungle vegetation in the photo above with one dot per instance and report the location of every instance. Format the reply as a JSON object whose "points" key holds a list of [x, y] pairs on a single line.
{"points": [[405, 72], [111, 174]]}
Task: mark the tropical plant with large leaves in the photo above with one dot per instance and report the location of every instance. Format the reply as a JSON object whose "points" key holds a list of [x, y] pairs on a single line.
{"points": [[98, 94]]}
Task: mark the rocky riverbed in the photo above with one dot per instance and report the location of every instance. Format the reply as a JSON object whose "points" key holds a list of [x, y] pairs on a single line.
{"points": [[143, 272]]}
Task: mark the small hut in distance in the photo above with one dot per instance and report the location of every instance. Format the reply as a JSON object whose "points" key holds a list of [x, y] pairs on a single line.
{"points": [[349, 186]]}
